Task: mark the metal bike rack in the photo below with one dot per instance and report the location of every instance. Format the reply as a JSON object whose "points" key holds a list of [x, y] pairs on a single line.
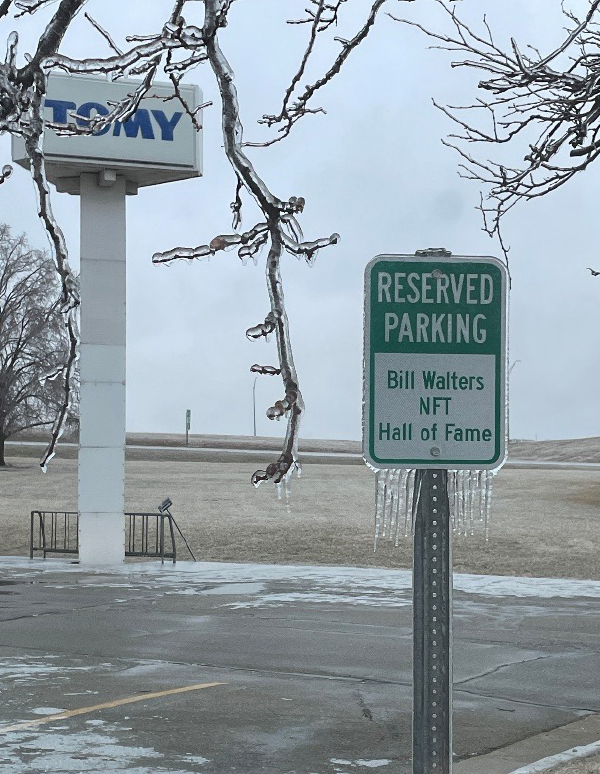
{"points": [[57, 532]]}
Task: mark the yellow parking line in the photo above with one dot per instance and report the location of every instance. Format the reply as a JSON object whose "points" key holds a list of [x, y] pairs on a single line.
{"points": [[107, 705]]}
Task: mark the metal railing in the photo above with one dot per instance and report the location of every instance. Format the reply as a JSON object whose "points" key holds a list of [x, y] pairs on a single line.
{"points": [[146, 535], [57, 532]]}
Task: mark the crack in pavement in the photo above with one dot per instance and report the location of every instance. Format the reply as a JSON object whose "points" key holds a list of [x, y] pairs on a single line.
{"points": [[529, 703], [502, 666]]}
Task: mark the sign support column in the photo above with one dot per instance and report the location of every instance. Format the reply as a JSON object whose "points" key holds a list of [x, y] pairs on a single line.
{"points": [[432, 626], [434, 400], [101, 469], [158, 143]]}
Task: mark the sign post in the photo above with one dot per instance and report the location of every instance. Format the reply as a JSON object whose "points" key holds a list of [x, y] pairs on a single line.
{"points": [[188, 424], [157, 144], [434, 400]]}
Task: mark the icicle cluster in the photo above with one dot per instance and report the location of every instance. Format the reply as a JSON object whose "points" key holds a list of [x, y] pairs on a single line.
{"points": [[470, 496], [395, 504], [397, 498]]}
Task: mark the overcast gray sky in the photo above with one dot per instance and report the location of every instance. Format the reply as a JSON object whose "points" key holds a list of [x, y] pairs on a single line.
{"points": [[374, 170]]}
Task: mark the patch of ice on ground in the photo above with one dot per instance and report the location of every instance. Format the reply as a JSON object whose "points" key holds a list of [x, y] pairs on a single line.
{"points": [[47, 711], [197, 759], [23, 669], [550, 762], [317, 597], [33, 752], [236, 588], [369, 764], [172, 577]]}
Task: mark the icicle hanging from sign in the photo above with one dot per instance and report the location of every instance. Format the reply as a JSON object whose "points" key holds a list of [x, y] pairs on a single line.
{"points": [[395, 504], [470, 495], [397, 498]]}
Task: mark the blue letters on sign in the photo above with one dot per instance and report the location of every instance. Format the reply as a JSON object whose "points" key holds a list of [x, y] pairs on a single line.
{"points": [[166, 126], [139, 121], [59, 110], [85, 111], [139, 124]]}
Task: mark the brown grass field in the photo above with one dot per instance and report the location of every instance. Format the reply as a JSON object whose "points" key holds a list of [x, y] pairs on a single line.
{"points": [[544, 522]]}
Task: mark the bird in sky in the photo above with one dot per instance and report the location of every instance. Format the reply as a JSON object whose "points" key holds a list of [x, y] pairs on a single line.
{"points": [[594, 273]]}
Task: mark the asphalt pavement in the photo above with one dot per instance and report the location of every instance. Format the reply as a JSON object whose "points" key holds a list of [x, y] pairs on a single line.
{"points": [[264, 669]]}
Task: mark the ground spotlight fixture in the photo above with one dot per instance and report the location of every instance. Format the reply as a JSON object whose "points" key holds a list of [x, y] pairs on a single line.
{"points": [[165, 505]]}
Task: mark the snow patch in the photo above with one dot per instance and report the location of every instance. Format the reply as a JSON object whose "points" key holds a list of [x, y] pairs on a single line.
{"points": [[90, 750], [47, 711], [319, 597], [372, 581], [564, 757], [236, 588], [369, 764], [197, 759]]}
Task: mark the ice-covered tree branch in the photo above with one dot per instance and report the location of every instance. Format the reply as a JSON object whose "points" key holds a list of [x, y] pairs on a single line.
{"points": [[21, 96], [173, 51], [550, 104], [295, 103]]}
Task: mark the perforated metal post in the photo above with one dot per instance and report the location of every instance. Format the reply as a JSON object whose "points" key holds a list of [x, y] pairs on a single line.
{"points": [[432, 632]]}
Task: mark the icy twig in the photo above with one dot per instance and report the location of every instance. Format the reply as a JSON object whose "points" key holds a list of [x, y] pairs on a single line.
{"points": [[550, 104], [104, 34], [265, 369], [5, 173], [258, 234], [296, 106]]}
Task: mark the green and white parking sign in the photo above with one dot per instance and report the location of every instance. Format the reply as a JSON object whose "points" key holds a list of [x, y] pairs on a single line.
{"points": [[435, 362]]}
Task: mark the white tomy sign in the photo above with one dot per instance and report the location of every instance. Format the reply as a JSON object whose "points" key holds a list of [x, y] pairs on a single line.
{"points": [[157, 144]]}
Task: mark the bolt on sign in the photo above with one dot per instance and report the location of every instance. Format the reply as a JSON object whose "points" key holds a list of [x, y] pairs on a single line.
{"points": [[435, 362]]}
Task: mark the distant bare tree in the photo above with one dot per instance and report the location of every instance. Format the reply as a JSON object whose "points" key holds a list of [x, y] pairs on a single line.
{"points": [[174, 51], [34, 344], [547, 102]]}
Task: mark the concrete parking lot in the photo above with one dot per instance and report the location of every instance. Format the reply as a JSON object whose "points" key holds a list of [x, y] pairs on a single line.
{"points": [[266, 669]]}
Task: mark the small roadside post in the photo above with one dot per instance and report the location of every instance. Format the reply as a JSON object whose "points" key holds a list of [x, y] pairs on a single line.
{"points": [[434, 400], [188, 424]]}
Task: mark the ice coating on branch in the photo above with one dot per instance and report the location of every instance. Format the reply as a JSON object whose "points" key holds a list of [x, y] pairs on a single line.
{"points": [[268, 370], [262, 329], [308, 250], [251, 243], [396, 500], [258, 477], [69, 301], [6, 172], [276, 412], [177, 47]]}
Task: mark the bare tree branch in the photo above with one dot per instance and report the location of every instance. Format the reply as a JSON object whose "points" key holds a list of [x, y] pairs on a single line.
{"points": [[550, 104], [104, 34], [5, 7], [50, 40], [175, 50], [291, 112]]}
